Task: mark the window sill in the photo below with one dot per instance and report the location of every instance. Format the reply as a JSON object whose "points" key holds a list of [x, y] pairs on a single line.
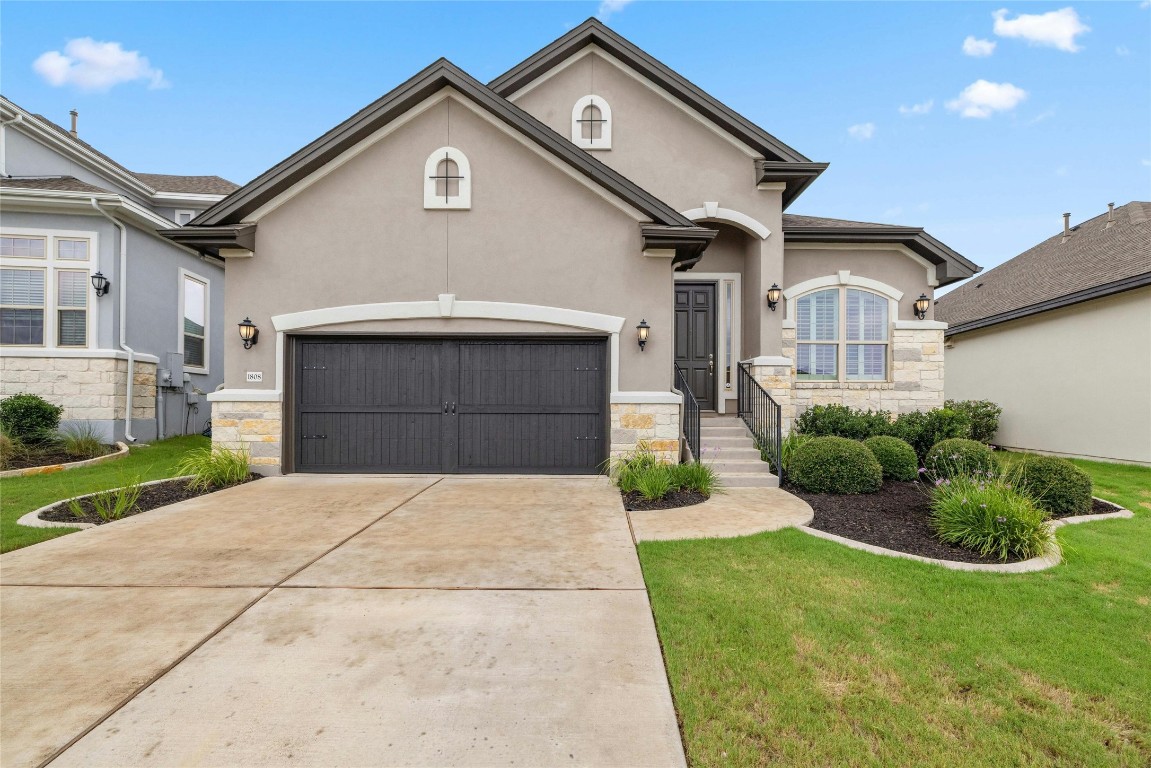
{"points": [[845, 385]]}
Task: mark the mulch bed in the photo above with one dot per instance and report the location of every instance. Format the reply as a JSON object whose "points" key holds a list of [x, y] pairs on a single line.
{"points": [[151, 497], [633, 501], [48, 457], [894, 518]]}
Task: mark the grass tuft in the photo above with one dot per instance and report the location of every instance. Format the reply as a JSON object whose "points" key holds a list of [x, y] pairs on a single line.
{"points": [[215, 467]]}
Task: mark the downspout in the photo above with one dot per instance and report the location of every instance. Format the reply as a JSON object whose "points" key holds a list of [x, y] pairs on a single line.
{"points": [[123, 279]]}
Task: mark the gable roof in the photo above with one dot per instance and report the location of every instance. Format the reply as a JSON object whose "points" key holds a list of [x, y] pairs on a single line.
{"points": [[781, 162], [950, 265], [439, 75], [1096, 260], [52, 183], [195, 185]]}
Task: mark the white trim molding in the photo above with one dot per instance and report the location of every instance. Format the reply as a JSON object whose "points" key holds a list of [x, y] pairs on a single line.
{"points": [[76, 352], [723, 281], [771, 360], [463, 200], [665, 398], [591, 100], [246, 395], [844, 277], [184, 276], [920, 325], [713, 212], [932, 278]]}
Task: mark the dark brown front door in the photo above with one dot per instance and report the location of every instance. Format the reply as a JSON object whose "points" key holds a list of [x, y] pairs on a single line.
{"points": [[695, 339]]}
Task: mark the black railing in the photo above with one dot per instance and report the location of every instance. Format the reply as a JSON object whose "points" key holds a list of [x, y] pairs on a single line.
{"points": [[690, 424], [763, 417]]}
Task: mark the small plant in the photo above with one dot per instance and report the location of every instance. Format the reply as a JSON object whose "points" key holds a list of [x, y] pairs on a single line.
{"points": [[1056, 485], [112, 504], [836, 465], [922, 430], [958, 456], [842, 421], [696, 476], [983, 415], [7, 450], [655, 482], [29, 419], [896, 456], [215, 467], [81, 441], [990, 516], [626, 469], [790, 445]]}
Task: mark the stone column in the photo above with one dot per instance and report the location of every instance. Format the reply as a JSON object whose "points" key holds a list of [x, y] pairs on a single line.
{"points": [[255, 425]]}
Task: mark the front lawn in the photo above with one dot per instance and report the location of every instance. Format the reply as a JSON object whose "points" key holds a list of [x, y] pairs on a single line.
{"points": [[786, 649], [20, 495]]}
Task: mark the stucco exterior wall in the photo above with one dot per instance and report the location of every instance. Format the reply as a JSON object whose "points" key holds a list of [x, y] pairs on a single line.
{"points": [[887, 265], [1074, 381]]}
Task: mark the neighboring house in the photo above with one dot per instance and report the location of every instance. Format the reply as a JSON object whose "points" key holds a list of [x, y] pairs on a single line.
{"points": [[68, 212], [1060, 336], [455, 278]]}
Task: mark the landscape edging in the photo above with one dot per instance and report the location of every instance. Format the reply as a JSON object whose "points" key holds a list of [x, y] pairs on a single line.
{"points": [[32, 519], [48, 469]]}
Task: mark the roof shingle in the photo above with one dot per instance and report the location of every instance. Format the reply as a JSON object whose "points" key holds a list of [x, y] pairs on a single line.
{"points": [[196, 185], [56, 183]]}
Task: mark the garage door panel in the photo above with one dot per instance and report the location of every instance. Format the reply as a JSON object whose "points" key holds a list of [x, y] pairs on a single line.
{"points": [[528, 374], [370, 373], [370, 442], [513, 442]]}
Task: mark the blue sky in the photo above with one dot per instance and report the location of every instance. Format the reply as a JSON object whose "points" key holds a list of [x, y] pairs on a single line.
{"points": [[1061, 121]]}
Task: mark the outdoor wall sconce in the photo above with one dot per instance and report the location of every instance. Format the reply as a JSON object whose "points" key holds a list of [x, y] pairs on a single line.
{"points": [[101, 284], [249, 333], [773, 295], [641, 332], [922, 304]]}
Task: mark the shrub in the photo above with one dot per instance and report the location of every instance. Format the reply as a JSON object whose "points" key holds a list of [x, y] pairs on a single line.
{"points": [[655, 482], [896, 456], [693, 477], [81, 441], [790, 445], [836, 465], [214, 467], [625, 470], [983, 415], [957, 457], [990, 517], [1056, 485], [113, 504], [923, 430], [29, 418], [842, 421]]}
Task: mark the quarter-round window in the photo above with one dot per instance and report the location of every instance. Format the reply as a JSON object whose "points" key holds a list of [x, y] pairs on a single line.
{"points": [[591, 123], [447, 180]]}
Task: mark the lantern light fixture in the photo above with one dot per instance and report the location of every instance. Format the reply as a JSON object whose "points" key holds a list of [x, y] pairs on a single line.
{"points": [[249, 333], [774, 293], [641, 332], [922, 304], [101, 284]]}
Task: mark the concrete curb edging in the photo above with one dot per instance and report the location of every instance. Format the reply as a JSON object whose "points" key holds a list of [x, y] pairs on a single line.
{"points": [[1043, 562], [32, 519], [48, 469]]}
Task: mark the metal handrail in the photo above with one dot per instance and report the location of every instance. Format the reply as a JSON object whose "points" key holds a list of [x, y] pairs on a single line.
{"points": [[763, 417], [689, 424]]}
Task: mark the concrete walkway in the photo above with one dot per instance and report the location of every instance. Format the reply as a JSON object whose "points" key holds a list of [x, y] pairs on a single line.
{"points": [[335, 621], [734, 512]]}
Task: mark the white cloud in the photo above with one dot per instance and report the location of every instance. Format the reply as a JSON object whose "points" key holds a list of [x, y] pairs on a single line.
{"points": [[1055, 29], [917, 109], [1042, 116], [91, 65], [973, 46], [981, 99], [1122, 50], [862, 131], [609, 7]]}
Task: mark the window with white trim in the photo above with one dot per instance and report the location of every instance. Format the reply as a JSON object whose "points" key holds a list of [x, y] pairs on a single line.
{"points": [[22, 247], [591, 123], [44, 284], [194, 320], [184, 216], [71, 308], [447, 180], [22, 306], [842, 334]]}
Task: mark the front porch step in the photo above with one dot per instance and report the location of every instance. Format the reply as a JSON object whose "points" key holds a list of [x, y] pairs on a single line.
{"points": [[735, 430], [741, 466], [741, 480], [727, 441], [728, 453]]}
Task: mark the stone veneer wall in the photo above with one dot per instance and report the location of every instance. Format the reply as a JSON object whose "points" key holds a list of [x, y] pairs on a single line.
{"points": [[88, 388], [916, 379], [656, 424], [257, 426]]}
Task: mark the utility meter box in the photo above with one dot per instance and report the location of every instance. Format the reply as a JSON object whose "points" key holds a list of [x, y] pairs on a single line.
{"points": [[174, 371]]}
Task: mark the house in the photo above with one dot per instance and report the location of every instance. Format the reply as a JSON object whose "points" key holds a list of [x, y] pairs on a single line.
{"points": [[499, 278], [90, 291], [1060, 337]]}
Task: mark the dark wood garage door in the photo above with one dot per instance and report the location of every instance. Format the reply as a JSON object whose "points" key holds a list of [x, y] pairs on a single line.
{"points": [[449, 405]]}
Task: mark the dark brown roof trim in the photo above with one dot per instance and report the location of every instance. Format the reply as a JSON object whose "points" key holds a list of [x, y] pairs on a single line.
{"points": [[441, 74], [797, 176], [1097, 292], [689, 242], [950, 265], [212, 239]]}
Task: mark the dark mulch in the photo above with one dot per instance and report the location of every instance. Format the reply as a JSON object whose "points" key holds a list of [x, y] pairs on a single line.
{"points": [[47, 457], [1100, 507], [151, 497], [633, 501], [895, 518]]}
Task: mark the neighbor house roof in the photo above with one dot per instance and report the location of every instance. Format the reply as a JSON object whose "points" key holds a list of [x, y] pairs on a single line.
{"points": [[781, 162], [196, 185], [950, 266], [54, 183], [1095, 259]]}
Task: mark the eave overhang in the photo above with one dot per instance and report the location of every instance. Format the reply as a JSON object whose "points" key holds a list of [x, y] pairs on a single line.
{"points": [[950, 266], [688, 243], [213, 240], [797, 176]]}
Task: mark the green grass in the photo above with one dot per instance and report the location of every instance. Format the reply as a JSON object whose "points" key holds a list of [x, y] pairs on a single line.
{"points": [[784, 649], [20, 495]]}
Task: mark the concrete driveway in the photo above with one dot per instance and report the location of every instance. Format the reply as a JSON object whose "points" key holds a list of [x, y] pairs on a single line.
{"points": [[340, 621]]}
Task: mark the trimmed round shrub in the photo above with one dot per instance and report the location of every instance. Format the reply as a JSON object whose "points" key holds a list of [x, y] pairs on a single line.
{"points": [[990, 517], [896, 456], [835, 465], [1056, 485], [28, 418], [959, 457]]}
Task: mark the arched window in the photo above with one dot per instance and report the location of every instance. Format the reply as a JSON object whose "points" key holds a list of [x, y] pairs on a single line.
{"points": [[591, 123], [841, 335], [447, 180]]}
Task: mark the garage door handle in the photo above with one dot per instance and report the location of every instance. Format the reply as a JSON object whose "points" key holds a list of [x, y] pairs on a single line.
{"points": [[445, 407], [453, 409], [313, 437]]}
